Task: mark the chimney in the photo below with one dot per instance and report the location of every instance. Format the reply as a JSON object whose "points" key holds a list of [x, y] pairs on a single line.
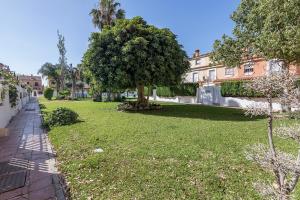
{"points": [[197, 53]]}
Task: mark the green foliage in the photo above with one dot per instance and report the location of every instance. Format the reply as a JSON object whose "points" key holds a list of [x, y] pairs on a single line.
{"points": [[52, 72], [184, 89], [265, 28], [63, 95], [294, 115], [298, 83], [136, 106], [106, 13], [13, 95], [133, 53], [48, 93], [61, 116], [164, 92], [42, 106], [147, 90], [237, 89]]}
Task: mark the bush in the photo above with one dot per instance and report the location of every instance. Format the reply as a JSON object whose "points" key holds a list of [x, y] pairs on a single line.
{"points": [[164, 92], [48, 93], [61, 116], [13, 95], [185, 89], [298, 83], [138, 106], [237, 89], [63, 95], [42, 106], [294, 115]]}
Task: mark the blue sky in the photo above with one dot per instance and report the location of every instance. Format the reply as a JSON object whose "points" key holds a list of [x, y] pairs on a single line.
{"points": [[28, 28]]}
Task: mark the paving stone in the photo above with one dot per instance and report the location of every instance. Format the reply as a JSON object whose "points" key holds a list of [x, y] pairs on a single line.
{"points": [[27, 161]]}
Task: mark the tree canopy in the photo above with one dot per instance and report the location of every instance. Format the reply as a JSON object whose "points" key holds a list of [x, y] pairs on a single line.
{"points": [[133, 54], [106, 13], [266, 28]]}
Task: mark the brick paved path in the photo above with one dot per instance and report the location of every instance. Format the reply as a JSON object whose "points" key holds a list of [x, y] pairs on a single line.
{"points": [[27, 164]]}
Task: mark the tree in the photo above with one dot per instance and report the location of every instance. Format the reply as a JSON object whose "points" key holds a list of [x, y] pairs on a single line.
{"points": [[106, 13], [52, 72], [73, 74], [62, 59], [266, 28], [285, 167], [133, 54], [48, 93]]}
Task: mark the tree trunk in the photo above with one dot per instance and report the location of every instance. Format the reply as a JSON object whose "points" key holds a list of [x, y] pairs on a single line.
{"points": [[73, 89], [141, 93], [270, 127], [62, 78]]}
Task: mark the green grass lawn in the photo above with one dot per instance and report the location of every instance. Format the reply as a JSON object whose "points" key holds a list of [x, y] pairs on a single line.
{"points": [[181, 152]]}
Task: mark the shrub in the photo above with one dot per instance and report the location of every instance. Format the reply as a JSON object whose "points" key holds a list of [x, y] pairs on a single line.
{"points": [[63, 95], [298, 83], [97, 98], [294, 115], [138, 106], [13, 95], [48, 93], [185, 89], [237, 89], [42, 106], [61, 116], [164, 92]]}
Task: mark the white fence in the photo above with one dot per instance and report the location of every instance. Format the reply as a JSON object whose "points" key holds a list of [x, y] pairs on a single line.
{"points": [[6, 111]]}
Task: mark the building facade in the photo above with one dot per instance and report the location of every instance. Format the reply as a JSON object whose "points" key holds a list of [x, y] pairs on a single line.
{"points": [[205, 73], [35, 82]]}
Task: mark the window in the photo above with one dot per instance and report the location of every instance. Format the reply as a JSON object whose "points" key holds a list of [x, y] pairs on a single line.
{"points": [[195, 77], [36, 84], [211, 75], [229, 71], [248, 69]]}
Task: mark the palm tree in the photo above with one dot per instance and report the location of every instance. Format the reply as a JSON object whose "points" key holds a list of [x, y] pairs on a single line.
{"points": [[106, 13], [52, 72], [73, 73]]}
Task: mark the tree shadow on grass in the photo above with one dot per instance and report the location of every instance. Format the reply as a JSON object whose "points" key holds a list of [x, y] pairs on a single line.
{"points": [[201, 112]]}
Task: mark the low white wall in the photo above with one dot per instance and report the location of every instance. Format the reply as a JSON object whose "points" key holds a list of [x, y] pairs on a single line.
{"points": [[178, 99], [7, 112], [246, 102], [211, 95]]}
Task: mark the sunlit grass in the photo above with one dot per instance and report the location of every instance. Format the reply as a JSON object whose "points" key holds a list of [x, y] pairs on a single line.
{"points": [[181, 152]]}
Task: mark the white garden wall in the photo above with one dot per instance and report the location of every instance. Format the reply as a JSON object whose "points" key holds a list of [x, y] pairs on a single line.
{"points": [[6, 111], [178, 99], [211, 95]]}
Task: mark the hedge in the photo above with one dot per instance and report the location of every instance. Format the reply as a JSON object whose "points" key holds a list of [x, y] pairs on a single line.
{"points": [[298, 83], [237, 89], [185, 89]]}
